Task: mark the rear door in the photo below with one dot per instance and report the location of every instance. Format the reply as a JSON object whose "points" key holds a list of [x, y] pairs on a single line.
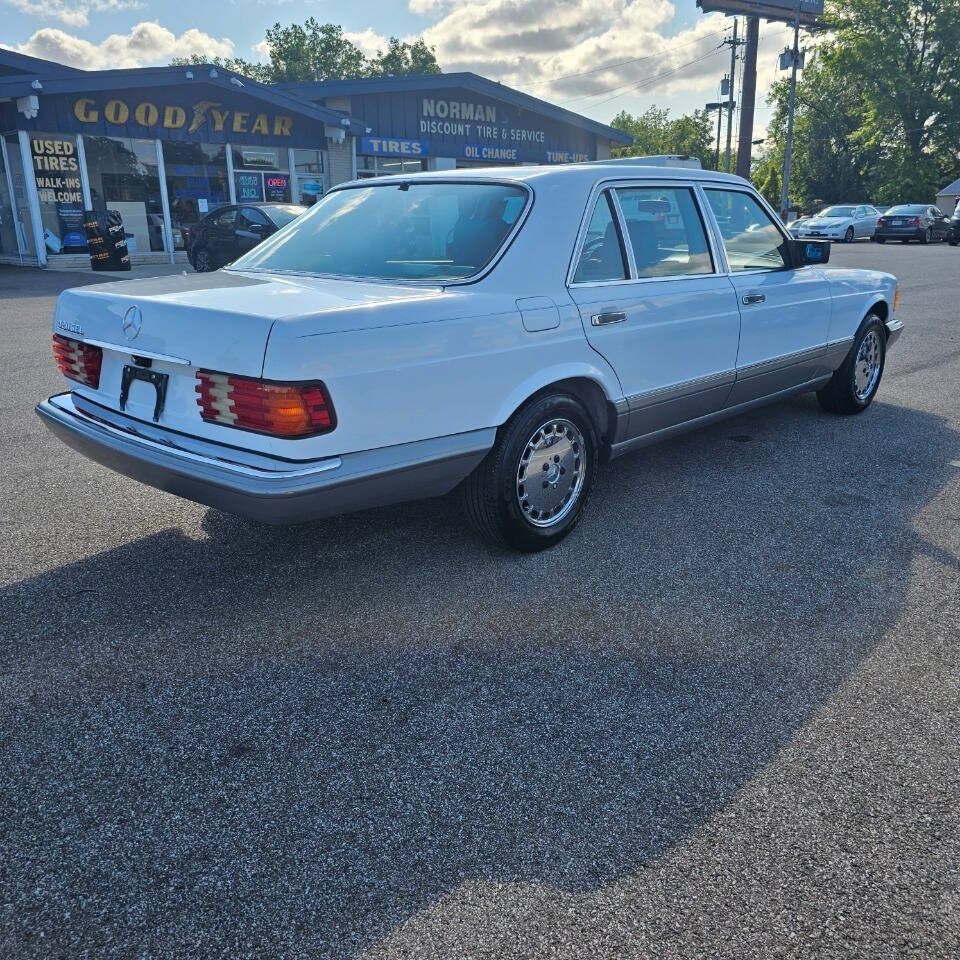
{"points": [[654, 304], [785, 311]]}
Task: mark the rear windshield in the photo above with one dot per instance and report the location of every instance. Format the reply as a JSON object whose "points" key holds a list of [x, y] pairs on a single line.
{"points": [[282, 214], [408, 231], [908, 208]]}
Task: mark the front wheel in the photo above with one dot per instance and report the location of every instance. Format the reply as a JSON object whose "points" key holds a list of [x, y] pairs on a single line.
{"points": [[848, 236], [854, 385], [531, 489]]}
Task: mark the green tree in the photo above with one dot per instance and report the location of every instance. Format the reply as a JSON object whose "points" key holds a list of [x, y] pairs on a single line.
{"points": [[256, 71], [401, 59], [654, 132], [320, 51], [878, 107]]}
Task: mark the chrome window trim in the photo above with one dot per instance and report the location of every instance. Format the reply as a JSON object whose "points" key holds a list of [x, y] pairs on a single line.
{"points": [[613, 185], [774, 219], [374, 182]]}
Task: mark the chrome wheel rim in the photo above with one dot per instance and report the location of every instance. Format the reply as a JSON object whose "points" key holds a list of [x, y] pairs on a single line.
{"points": [[551, 472], [866, 368], [203, 261]]}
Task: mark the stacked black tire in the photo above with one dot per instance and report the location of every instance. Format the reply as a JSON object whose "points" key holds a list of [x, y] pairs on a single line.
{"points": [[106, 240]]}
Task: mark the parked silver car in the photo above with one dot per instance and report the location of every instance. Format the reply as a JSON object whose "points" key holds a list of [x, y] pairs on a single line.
{"points": [[844, 222]]}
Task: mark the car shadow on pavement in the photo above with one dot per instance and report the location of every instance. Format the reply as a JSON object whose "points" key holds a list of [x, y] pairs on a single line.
{"points": [[287, 742]]}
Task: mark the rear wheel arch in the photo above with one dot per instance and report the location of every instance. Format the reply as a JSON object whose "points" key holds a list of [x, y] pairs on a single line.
{"points": [[600, 408]]}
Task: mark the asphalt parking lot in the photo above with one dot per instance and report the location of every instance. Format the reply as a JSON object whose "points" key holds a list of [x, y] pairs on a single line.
{"points": [[719, 720]]}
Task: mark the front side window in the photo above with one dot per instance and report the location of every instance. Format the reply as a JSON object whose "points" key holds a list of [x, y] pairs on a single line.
{"points": [[396, 231], [665, 230], [751, 239], [602, 257], [226, 219]]}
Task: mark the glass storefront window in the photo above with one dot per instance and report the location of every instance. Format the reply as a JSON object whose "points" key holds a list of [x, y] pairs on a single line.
{"points": [[309, 170], [21, 203], [124, 177], [9, 246], [196, 184], [259, 158], [387, 166], [253, 186], [57, 173]]}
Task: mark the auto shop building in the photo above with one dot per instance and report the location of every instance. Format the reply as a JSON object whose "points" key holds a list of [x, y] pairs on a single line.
{"points": [[164, 146]]}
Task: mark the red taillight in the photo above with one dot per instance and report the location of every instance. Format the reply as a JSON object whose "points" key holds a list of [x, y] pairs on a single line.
{"points": [[915, 221], [280, 409], [882, 220], [77, 360]]}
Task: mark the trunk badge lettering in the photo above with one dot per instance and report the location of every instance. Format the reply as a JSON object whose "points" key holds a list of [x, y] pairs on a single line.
{"points": [[70, 327], [132, 323]]}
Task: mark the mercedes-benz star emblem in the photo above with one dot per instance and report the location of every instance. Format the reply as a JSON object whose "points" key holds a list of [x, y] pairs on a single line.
{"points": [[132, 322]]}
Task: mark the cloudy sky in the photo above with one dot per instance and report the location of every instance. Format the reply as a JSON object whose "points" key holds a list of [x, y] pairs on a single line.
{"points": [[593, 56]]}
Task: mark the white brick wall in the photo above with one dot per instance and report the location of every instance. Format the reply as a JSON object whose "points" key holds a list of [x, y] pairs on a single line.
{"points": [[340, 161]]}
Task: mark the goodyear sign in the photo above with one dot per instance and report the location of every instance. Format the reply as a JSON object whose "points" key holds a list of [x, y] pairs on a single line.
{"points": [[174, 113]]}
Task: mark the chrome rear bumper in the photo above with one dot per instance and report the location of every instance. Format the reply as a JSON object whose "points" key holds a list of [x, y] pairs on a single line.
{"points": [[264, 488]]}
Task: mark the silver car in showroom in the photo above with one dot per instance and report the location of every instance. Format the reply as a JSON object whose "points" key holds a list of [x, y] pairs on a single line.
{"points": [[845, 222]]}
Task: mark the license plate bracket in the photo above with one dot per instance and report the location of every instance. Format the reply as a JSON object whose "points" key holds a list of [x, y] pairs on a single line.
{"points": [[159, 381]]}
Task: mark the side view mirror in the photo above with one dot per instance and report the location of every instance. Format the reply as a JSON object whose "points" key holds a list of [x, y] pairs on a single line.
{"points": [[256, 228], [809, 252]]}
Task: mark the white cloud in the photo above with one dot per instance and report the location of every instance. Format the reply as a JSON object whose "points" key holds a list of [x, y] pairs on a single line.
{"points": [[594, 56], [147, 43], [74, 13], [369, 41]]}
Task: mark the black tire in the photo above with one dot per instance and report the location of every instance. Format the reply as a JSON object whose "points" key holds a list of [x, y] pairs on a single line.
{"points": [[927, 236], [880, 239], [491, 494], [848, 236], [953, 241], [202, 260], [840, 394]]}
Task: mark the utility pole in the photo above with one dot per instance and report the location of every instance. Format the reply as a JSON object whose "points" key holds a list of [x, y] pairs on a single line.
{"points": [[732, 98], [788, 148], [748, 96]]}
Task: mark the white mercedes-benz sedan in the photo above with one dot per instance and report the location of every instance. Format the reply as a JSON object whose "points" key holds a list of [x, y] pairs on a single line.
{"points": [[503, 331]]}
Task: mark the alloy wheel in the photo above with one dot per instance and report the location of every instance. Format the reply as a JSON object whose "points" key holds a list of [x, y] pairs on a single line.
{"points": [[866, 367], [551, 472]]}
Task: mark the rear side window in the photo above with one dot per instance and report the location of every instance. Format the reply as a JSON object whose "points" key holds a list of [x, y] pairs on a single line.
{"points": [[602, 256], [665, 231], [751, 239]]}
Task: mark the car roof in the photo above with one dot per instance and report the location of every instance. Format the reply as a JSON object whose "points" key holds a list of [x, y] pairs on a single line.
{"points": [[579, 174]]}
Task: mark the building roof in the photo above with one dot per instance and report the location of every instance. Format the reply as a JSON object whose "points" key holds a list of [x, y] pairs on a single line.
{"points": [[460, 81], [12, 62], [950, 188], [90, 81]]}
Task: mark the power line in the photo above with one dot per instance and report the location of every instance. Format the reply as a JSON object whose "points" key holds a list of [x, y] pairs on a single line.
{"points": [[623, 63], [646, 81]]}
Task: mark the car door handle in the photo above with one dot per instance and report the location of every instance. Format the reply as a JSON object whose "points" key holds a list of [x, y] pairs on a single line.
{"points": [[749, 298], [600, 319]]}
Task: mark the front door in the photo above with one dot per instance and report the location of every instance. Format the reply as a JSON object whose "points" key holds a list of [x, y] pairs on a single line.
{"points": [[655, 306], [785, 311]]}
